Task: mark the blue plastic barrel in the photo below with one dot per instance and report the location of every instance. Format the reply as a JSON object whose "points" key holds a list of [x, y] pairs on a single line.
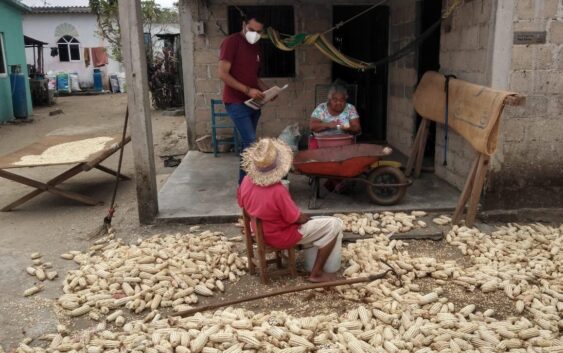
{"points": [[98, 80], [19, 96]]}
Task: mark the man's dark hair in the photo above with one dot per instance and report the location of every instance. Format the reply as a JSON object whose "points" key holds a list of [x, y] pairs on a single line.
{"points": [[252, 14]]}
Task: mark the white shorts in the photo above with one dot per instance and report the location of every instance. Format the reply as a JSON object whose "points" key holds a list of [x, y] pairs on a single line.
{"points": [[320, 231]]}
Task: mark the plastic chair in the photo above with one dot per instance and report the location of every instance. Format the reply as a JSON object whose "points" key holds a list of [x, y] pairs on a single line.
{"points": [[259, 261], [218, 121]]}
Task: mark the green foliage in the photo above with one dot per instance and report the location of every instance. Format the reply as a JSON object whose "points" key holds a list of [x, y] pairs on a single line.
{"points": [[107, 13]]}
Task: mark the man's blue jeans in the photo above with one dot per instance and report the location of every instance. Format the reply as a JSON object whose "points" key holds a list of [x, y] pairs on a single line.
{"points": [[245, 120]]}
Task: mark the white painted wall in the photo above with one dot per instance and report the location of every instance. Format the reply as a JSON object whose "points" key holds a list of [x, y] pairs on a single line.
{"points": [[43, 26]]}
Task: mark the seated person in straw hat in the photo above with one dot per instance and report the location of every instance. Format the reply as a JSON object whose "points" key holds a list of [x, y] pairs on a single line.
{"points": [[262, 195]]}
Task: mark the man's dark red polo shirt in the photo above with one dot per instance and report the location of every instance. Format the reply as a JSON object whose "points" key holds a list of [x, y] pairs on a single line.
{"points": [[245, 64]]}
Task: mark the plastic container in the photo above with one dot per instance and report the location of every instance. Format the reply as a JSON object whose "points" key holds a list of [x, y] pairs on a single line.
{"points": [[63, 84], [98, 86], [335, 140], [52, 81], [74, 84], [122, 82], [332, 263]]}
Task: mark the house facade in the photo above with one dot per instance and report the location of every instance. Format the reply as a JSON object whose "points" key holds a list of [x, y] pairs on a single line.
{"points": [[12, 52], [513, 45], [71, 33]]}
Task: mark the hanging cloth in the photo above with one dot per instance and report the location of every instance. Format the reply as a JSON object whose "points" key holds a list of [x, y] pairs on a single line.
{"points": [[86, 57], [99, 56]]}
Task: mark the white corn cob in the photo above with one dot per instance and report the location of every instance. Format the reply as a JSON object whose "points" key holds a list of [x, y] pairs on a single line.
{"points": [[32, 290], [295, 340], [80, 311], [428, 298], [30, 270], [203, 290], [40, 274], [248, 339]]}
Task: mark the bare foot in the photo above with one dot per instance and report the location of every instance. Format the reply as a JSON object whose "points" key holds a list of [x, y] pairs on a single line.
{"points": [[323, 277]]}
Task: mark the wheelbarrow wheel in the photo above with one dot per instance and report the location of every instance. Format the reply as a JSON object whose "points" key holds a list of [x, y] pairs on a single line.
{"points": [[386, 195]]}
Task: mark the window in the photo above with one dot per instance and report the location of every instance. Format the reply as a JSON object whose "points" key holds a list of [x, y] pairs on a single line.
{"points": [[69, 49], [3, 68], [275, 62]]}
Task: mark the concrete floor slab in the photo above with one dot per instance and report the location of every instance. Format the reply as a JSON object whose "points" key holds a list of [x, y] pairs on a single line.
{"points": [[202, 189]]}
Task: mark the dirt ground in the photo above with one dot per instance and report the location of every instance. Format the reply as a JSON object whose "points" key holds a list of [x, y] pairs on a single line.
{"points": [[52, 226]]}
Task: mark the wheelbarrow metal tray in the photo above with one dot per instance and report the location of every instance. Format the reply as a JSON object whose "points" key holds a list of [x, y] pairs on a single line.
{"points": [[342, 161]]}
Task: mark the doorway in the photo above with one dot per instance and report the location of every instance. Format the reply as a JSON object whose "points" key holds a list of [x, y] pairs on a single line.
{"points": [[429, 60], [365, 38]]}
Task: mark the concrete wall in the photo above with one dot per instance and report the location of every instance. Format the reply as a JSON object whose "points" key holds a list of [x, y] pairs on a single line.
{"points": [[465, 51], [402, 76], [42, 26], [528, 171], [11, 32], [296, 103]]}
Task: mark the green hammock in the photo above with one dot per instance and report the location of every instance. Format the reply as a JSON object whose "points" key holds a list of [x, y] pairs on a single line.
{"points": [[319, 41]]}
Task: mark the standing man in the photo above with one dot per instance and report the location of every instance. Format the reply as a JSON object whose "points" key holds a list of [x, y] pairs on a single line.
{"points": [[239, 65]]}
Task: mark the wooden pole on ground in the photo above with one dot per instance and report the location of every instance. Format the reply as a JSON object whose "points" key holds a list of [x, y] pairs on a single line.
{"points": [[424, 126], [462, 201], [414, 153], [135, 62], [480, 173]]}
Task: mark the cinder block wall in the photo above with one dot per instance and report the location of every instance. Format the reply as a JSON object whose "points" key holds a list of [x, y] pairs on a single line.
{"points": [[529, 172], [402, 76], [465, 44], [312, 68]]}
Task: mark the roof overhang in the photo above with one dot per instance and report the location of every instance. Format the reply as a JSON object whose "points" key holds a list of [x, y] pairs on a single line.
{"points": [[32, 42]]}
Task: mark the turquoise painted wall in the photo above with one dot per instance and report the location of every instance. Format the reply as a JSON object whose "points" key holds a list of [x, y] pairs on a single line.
{"points": [[12, 31]]}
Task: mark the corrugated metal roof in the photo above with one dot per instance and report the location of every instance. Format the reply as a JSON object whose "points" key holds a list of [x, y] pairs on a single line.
{"points": [[61, 9], [17, 4]]}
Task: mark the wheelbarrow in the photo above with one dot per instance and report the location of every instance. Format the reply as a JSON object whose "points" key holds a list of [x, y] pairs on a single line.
{"points": [[385, 182]]}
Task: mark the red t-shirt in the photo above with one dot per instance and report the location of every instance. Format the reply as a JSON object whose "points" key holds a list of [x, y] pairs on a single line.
{"points": [[274, 206], [245, 65]]}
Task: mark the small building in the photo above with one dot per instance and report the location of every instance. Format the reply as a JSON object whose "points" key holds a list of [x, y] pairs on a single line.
{"points": [[72, 36], [12, 52], [512, 45]]}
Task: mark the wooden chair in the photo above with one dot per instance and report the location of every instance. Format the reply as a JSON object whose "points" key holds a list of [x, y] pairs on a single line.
{"points": [[258, 260]]}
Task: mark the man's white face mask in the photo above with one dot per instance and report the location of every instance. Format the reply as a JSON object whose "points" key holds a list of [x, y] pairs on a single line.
{"points": [[252, 37]]}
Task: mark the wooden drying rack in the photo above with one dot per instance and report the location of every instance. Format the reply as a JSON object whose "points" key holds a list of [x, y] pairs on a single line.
{"points": [[475, 180]]}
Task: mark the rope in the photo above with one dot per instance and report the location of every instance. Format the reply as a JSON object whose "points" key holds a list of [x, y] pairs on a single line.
{"points": [[447, 13], [446, 114], [342, 23]]}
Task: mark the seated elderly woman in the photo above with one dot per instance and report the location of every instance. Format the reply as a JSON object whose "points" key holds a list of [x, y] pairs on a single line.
{"points": [[335, 117]]}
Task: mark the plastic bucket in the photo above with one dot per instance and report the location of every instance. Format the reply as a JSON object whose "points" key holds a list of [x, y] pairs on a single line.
{"points": [[332, 263], [333, 141]]}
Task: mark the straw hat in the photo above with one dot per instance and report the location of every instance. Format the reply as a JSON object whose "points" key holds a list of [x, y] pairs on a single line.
{"points": [[267, 161]]}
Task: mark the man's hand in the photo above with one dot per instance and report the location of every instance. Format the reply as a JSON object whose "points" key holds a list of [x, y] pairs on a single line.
{"points": [[255, 94]]}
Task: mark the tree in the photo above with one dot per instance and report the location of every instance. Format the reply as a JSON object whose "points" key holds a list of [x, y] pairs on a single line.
{"points": [[107, 14]]}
